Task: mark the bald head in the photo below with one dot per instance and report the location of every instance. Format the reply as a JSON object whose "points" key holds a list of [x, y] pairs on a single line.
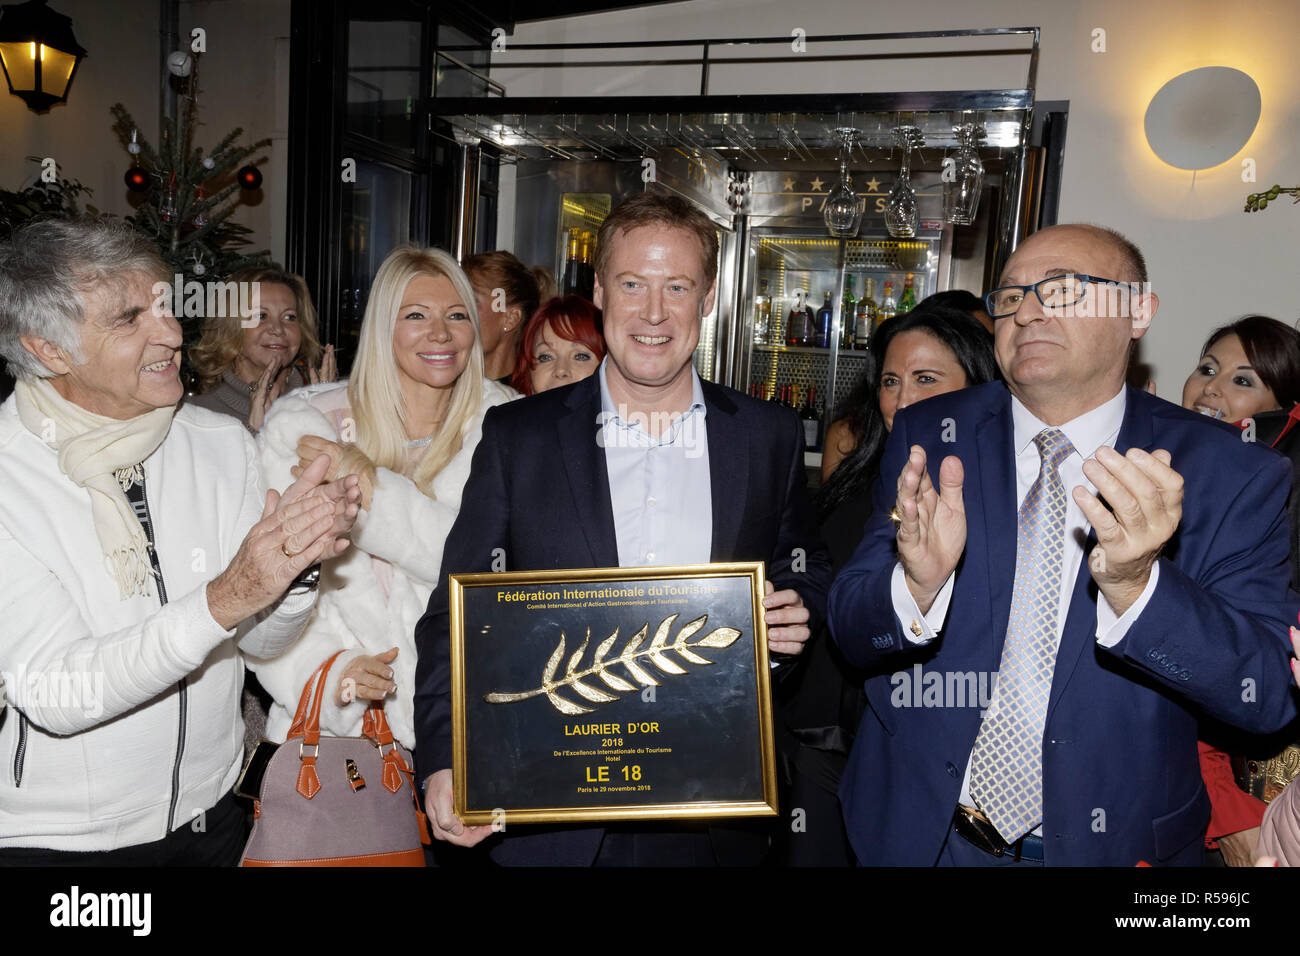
{"points": [[1132, 264]]}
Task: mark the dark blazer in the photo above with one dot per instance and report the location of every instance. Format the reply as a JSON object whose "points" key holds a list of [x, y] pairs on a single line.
{"points": [[539, 490], [1270, 426], [1121, 779]]}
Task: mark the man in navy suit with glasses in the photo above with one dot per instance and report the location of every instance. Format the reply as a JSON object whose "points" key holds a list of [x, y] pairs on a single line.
{"points": [[1110, 566]]}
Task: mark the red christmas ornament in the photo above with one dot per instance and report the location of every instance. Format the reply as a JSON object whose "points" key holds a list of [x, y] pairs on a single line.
{"points": [[249, 177], [136, 179]]}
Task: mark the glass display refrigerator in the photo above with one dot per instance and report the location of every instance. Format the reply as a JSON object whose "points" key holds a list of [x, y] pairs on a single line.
{"points": [[832, 210], [815, 303]]}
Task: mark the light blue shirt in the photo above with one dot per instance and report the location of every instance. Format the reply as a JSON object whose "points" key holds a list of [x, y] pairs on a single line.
{"points": [[658, 487]]}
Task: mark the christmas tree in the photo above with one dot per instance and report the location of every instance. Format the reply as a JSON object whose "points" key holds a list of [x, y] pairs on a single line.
{"points": [[191, 195]]}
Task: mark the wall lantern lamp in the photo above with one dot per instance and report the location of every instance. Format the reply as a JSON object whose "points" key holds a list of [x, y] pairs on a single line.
{"points": [[38, 52], [1203, 117]]}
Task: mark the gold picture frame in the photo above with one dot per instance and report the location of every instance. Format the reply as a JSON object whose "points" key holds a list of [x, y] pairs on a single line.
{"points": [[686, 645]]}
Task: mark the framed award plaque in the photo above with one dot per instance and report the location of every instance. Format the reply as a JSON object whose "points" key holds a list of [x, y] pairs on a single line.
{"points": [[611, 694]]}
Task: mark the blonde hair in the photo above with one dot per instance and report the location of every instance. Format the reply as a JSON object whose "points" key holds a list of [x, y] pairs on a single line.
{"points": [[374, 389], [223, 336]]}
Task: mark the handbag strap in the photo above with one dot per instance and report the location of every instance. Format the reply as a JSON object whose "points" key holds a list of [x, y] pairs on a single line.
{"points": [[306, 719]]}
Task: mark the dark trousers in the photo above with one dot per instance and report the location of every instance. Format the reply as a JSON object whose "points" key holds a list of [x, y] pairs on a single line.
{"points": [[225, 832], [636, 846]]}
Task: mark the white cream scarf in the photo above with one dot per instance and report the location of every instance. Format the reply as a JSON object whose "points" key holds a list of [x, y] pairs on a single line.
{"points": [[102, 455]]}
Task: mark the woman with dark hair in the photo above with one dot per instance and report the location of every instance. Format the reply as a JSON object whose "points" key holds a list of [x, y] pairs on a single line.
{"points": [[961, 300], [561, 343], [506, 292], [940, 350], [929, 351], [1248, 366], [1249, 375]]}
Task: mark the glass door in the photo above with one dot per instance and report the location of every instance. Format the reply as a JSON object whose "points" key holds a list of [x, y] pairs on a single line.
{"points": [[810, 330]]}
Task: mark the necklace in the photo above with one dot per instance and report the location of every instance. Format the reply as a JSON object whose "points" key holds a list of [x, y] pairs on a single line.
{"points": [[420, 442]]}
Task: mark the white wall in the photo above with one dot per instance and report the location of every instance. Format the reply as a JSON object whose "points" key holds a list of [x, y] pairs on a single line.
{"points": [[241, 87], [1208, 260]]}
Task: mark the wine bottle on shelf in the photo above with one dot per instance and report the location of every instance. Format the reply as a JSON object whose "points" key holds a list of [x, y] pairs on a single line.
{"points": [[811, 420], [865, 320], [846, 314], [907, 301], [572, 266], [762, 313], [888, 307], [823, 326], [586, 270]]}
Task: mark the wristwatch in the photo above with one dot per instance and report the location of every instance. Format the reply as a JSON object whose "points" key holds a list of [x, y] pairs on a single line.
{"points": [[308, 580]]}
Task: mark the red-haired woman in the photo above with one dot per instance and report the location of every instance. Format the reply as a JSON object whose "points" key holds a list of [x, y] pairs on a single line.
{"points": [[562, 344]]}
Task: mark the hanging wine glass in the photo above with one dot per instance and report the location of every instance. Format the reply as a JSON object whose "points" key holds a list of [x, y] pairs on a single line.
{"points": [[961, 182], [901, 214], [842, 213]]}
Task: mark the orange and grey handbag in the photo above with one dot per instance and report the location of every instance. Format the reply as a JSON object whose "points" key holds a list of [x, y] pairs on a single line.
{"points": [[337, 801]]}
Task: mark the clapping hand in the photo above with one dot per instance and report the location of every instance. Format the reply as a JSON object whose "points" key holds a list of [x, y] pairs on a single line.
{"points": [[269, 387], [1295, 664], [931, 525], [328, 371], [296, 530], [1146, 503]]}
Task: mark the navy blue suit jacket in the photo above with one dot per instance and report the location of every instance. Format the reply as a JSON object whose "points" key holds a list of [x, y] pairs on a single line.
{"points": [[539, 490], [1121, 779]]}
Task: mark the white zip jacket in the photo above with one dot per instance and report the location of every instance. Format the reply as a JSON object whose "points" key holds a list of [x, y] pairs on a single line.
{"points": [[371, 596], [103, 747]]}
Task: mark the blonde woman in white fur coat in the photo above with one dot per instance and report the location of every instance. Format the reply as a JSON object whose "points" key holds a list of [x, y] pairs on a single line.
{"points": [[407, 422]]}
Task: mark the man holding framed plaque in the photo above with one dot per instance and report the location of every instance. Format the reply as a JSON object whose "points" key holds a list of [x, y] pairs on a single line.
{"points": [[641, 465]]}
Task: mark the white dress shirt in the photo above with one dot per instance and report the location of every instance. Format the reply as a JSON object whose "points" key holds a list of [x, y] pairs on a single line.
{"points": [[659, 488], [1086, 433]]}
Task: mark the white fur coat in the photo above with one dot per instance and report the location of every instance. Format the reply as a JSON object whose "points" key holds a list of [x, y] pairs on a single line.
{"points": [[397, 542]]}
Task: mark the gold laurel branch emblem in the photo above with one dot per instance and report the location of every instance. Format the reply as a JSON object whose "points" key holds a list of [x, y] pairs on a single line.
{"points": [[656, 653]]}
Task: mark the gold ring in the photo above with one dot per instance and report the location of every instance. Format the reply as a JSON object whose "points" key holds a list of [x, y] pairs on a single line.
{"points": [[896, 517], [284, 550]]}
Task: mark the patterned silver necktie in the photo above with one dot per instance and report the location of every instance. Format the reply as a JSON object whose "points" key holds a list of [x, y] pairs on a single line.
{"points": [[1006, 774]]}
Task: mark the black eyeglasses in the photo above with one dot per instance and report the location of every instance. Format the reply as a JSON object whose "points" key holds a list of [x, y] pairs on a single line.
{"points": [[1054, 292]]}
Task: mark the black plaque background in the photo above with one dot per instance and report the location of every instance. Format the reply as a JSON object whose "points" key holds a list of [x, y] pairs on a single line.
{"points": [[709, 716]]}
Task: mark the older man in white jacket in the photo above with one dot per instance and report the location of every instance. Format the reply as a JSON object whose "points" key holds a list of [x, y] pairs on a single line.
{"points": [[140, 558]]}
